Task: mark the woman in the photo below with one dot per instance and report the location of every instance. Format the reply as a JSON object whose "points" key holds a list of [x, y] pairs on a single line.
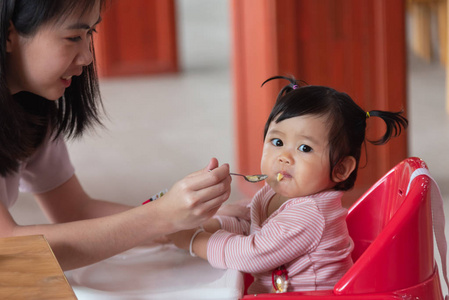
{"points": [[48, 92]]}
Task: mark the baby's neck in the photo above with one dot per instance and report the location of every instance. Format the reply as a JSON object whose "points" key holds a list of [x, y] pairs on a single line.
{"points": [[275, 202]]}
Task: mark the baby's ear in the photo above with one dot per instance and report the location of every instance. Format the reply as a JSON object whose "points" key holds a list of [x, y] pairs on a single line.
{"points": [[343, 169]]}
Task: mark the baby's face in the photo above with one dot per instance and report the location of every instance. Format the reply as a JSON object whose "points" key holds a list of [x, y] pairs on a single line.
{"points": [[298, 149]]}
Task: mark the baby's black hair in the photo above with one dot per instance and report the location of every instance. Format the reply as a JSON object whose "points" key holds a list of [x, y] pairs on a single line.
{"points": [[346, 120]]}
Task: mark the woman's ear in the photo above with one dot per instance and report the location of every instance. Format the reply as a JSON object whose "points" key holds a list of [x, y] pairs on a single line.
{"points": [[343, 169], [12, 36]]}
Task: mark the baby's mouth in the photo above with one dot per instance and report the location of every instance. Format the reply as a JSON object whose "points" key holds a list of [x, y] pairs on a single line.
{"points": [[282, 175], [279, 177]]}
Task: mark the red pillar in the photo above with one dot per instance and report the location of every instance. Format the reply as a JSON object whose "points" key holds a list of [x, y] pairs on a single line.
{"points": [[354, 46], [137, 37]]}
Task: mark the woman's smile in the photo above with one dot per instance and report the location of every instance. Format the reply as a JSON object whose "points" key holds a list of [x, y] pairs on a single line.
{"points": [[66, 81]]}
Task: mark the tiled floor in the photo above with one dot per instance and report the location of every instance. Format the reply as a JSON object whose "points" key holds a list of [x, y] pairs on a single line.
{"points": [[162, 128]]}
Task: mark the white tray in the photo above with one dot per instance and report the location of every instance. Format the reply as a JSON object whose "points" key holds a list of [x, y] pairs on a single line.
{"points": [[157, 272]]}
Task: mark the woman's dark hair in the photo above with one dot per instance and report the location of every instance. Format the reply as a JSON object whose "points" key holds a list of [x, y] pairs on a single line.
{"points": [[27, 119], [346, 120]]}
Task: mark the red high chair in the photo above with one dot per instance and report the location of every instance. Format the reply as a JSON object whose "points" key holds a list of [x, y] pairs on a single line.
{"points": [[393, 243]]}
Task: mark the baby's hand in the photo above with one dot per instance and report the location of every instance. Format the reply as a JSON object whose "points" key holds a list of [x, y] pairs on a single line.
{"points": [[182, 238], [238, 209]]}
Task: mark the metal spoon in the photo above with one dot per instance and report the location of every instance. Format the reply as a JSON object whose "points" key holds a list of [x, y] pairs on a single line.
{"points": [[252, 178]]}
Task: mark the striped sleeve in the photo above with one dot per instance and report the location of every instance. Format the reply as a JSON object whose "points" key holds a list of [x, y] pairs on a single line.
{"points": [[292, 233]]}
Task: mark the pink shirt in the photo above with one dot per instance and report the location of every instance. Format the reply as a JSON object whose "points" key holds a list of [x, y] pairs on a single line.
{"points": [[46, 169], [308, 235]]}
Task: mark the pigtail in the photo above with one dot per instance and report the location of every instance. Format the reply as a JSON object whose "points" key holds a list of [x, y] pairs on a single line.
{"points": [[394, 121], [293, 85]]}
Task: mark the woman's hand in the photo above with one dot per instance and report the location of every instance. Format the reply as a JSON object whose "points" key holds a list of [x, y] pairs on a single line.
{"points": [[194, 199]]}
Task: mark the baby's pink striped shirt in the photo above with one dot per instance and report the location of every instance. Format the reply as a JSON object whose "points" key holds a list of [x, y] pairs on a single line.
{"points": [[308, 235]]}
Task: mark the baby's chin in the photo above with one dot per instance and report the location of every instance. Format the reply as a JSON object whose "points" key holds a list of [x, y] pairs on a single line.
{"points": [[283, 190]]}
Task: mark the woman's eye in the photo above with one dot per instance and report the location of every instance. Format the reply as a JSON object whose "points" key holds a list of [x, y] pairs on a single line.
{"points": [[80, 37], [304, 148], [92, 31], [277, 142], [74, 39]]}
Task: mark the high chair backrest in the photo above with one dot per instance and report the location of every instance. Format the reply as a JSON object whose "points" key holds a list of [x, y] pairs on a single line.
{"points": [[392, 234]]}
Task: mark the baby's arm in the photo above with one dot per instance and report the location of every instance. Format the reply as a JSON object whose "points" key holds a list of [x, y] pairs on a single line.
{"points": [[239, 209], [182, 240], [211, 225]]}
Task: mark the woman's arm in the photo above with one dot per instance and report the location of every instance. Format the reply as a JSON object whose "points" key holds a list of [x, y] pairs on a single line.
{"points": [[189, 203], [69, 202]]}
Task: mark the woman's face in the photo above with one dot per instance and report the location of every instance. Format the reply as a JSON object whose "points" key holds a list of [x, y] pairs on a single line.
{"points": [[297, 148], [45, 62]]}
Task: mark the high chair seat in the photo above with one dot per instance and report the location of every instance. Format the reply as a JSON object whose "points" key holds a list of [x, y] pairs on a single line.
{"points": [[393, 242]]}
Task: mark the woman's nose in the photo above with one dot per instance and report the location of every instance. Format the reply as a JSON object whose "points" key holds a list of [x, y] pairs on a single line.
{"points": [[85, 57]]}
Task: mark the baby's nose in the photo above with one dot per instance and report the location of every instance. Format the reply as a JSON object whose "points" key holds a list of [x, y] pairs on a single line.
{"points": [[284, 159]]}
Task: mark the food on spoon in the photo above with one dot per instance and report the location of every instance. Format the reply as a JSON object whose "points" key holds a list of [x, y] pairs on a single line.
{"points": [[280, 176], [252, 177]]}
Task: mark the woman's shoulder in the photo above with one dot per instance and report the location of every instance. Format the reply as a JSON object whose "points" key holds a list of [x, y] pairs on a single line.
{"points": [[51, 155]]}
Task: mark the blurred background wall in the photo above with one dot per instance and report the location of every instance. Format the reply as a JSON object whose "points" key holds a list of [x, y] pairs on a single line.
{"points": [[167, 114]]}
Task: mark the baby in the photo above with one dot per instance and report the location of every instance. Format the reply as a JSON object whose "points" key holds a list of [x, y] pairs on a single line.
{"points": [[297, 238]]}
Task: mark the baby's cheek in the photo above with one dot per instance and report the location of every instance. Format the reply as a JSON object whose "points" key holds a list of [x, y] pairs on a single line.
{"points": [[264, 164], [271, 182]]}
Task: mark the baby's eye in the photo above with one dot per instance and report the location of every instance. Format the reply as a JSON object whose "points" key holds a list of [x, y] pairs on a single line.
{"points": [[277, 142], [305, 148]]}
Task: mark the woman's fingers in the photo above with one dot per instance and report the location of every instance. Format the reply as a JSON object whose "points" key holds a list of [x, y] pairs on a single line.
{"points": [[202, 180], [211, 198], [198, 196], [213, 163]]}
